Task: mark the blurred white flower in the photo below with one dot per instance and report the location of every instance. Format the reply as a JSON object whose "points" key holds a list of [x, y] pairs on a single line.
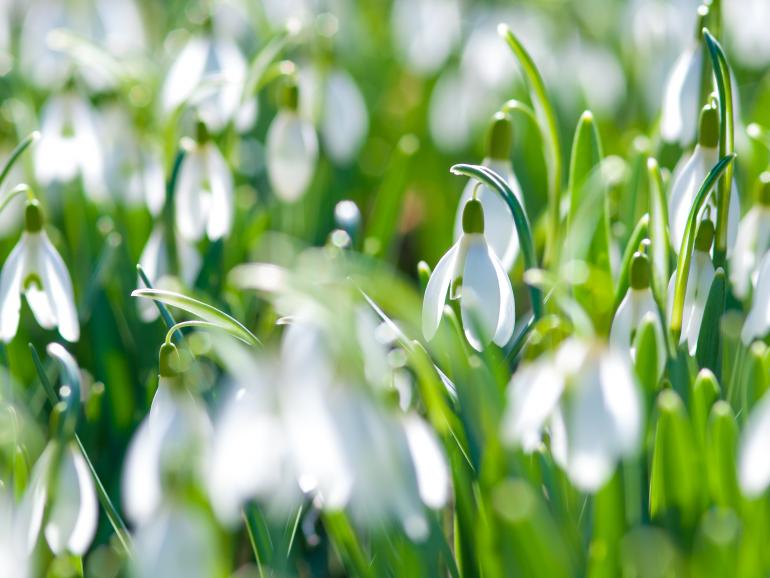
{"points": [[425, 32], [499, 228], [637, 306], [14, 562], [204, 198], [209, 74], [69, 145], [688, 178], [745, 31], [36, 269], [292, 149], [171, 439], [681, 98], [754, 451], [699, 280], [179, 542], [333, 100], [471, 272], [752, 242], [587, 396], [757, 324], [60, 500]]}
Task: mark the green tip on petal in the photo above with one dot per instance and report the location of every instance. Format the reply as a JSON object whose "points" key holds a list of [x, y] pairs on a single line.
{"points": [[169, 361], [473, 217], [705, 236], [639, 273], [500, 137], [708, 135], [763, 192], [33, 216]]}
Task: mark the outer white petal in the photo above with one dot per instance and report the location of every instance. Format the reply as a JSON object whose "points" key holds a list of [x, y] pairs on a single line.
{"points": [[680, 100], [345, 120], [622, 402], [222, 205], [499, 229], [74, 513], [754, 451], [698, 286], [757, 322], [292, 153], [624, 323], [30, 516], [683, 191], [429, 462], [185, 73], [637, 305], [191, 195], [436, 292], [481, 299], [744, 257], [58, 287], [38, 297], [10, 290], [507, 319], [533, 395]]}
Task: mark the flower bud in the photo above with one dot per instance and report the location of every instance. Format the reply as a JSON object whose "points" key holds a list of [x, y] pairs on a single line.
{"points": [[500, 137], [473, 217], [33, 216]]}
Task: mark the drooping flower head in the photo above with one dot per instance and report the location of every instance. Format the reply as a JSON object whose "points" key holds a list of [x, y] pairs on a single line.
{"points": [[36, 270], [752, 242], [292, 148], [472, 273], [499, 228]]}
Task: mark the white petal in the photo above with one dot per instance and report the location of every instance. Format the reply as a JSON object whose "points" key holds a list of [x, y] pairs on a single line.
{"points": [[744, 257], [74, 514], [10, 291], [680, 101], [345, 120], [30, 517], [754, 451], [185, 73], [222, 205], [698, 286], [757, 322], [683, 191], [58, 287], [622, 402], [292, 153], [37, 296], [141, 474], [191, 191], [429, 462], [507, 318], [436, 292], [481, 299]]}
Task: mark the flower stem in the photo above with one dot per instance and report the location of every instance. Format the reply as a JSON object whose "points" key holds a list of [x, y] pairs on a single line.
{"points": [[191, 323], [16, 153], [495, 182]]}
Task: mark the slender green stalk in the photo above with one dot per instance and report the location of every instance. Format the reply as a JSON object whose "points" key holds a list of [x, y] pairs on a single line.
{"points": [[523, 229], [16, 153], [547, 121], [688, 241], [17, 190], [172, 331], [168, 319], [726, 143]]}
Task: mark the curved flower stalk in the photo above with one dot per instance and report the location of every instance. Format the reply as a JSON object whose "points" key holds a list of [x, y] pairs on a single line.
{"points": [[757, 324], [638, 305], [35, 269], [332, 98], [687, 180], [204, 198], [499, 227], [471, 272], [209, 74], [169, 445], [586, 396], [700, 277], [752, 242], [69, 145], [292, 148], [60, 500]]}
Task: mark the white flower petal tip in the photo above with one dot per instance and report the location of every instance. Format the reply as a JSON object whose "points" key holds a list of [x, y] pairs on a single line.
{"points": [[429, 463], [637, 307], [292, 155], [35, 269], [486, 297], [754, 451]]}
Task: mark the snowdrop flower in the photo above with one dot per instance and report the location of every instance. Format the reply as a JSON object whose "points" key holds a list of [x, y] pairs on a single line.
{"points": [[638, 305], [204, 200], [471, 272], [681, 97], [60, 500], [757, 322], [179, 542], [34, 268], [292, 149], [69, 145], [752, 242], [14, 561], [425, 32], [209, 73], [334, 101], [499, 228], [586, 395], [170, 440], [700, 277], [687, 181]]}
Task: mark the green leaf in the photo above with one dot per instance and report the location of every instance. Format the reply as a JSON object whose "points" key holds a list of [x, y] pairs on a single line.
{"points": [[705, 391], [585, 160], [203, 310], [660, 245], [16, 153], [721, 444], [256, 76], [609, 524], [707, 352]]}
